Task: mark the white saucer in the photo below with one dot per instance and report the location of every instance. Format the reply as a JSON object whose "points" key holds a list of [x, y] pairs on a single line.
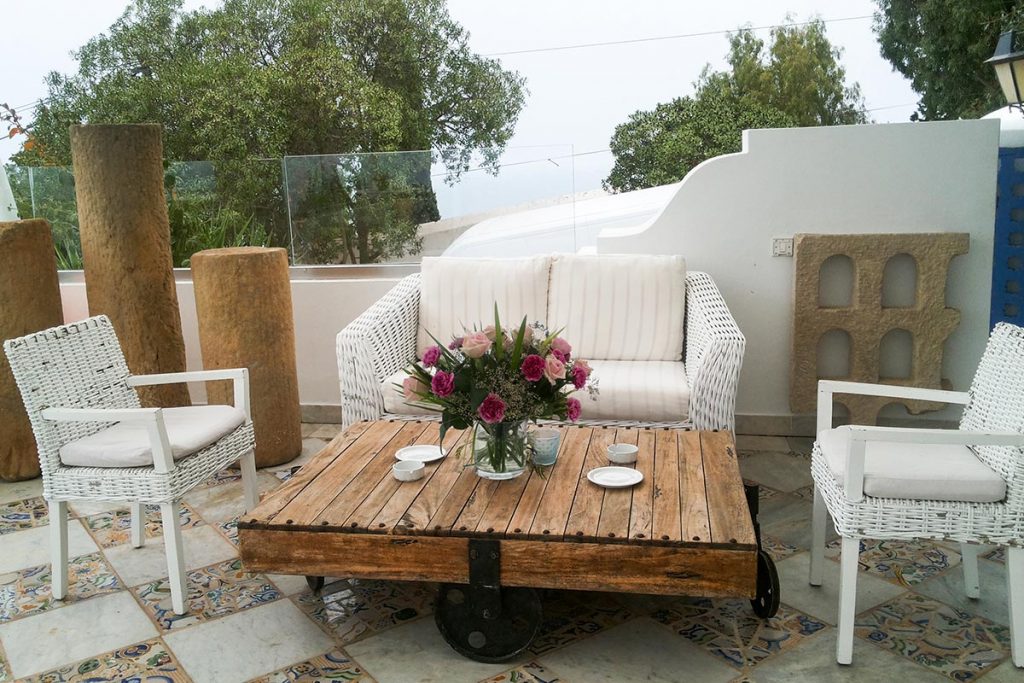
{"points": [[615, 477], [420, 453]]}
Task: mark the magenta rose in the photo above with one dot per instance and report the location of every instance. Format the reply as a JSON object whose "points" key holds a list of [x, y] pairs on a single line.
{"points": [[492, 409], [579, 377], [559, 355], [573, 409], [532, 367], [443, 383], [456, 343], [585, 365], [413, 388], [475, 344], [562, 346], [431, 356], [554, 369]]}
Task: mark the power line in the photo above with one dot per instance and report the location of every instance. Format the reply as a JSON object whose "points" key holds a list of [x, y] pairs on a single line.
{"points": [[550, 159], [892, 106], [677, 36]]}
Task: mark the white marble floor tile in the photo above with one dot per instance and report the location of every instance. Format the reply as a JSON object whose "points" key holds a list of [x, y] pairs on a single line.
{"points": [[639, 650], [781, 471], [416, 653], [288, 584], [31, 547], [225, 502], [948, 588], [11, 491], [823, 602], [247, 644], [815, 661], [203, 547], [1005, 673], [74, 632], [87, 508]]}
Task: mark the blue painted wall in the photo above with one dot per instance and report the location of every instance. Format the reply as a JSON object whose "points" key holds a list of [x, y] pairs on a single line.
{"points": [[1008, 256]]}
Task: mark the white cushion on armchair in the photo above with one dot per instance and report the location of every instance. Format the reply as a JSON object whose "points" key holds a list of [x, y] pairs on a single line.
{"points": [[457, 293], [649, 391]]}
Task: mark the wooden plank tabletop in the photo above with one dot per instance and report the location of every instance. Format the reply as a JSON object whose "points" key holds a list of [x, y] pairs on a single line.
{"points": [[691, 496]]}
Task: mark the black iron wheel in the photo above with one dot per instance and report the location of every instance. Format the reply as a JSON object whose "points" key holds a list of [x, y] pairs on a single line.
{"points": [[766, 603], [315, 583], [493, 638]]}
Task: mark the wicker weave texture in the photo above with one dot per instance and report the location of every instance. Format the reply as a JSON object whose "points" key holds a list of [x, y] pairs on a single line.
{"points": [[997, 404], [382, 341], [80, 365]]}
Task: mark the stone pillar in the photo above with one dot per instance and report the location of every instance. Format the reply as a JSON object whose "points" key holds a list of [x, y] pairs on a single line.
{"points": [[244, 305], [126, 248], [29, 302]]}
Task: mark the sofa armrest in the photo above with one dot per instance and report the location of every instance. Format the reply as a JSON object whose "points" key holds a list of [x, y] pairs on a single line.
{"points": [[374, 346], [713, 355]]}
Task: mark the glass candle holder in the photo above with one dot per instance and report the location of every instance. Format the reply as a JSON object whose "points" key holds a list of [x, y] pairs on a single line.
{"points": [[545, 445]]}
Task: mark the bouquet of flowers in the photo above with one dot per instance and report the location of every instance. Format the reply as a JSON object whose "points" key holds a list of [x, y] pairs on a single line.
{"points": [[497, 380]]}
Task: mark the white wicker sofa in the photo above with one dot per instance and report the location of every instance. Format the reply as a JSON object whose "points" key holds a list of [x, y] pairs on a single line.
{"points": [[663, 345]]}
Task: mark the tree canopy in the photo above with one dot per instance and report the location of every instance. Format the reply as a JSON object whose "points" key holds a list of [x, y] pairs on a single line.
{"points": [[796, 81], [263, 79], [941, 46]]}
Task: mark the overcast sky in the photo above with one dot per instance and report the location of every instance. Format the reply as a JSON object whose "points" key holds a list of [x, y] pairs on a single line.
{"points": [[577, 96]]}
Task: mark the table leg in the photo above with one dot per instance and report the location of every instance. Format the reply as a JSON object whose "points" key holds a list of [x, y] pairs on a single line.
{"points": [[766, 603]]}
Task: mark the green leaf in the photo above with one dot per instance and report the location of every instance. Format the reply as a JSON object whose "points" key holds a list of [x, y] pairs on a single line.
{"points": [[499, 338], [517, 348]]}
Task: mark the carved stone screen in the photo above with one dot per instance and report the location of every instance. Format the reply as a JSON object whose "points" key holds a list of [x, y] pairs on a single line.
{"points": [[867, 326]]}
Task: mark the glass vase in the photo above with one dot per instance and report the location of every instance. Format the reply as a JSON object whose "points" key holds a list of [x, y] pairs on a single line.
{"points": [[500, 450]]}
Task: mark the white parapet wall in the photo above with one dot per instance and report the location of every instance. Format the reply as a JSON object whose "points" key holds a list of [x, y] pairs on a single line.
{"points": [[891, 178]]}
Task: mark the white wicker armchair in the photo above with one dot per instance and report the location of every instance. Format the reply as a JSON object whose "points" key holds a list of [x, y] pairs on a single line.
{"points": [[74, 382], [382, 341], [992, 425]]}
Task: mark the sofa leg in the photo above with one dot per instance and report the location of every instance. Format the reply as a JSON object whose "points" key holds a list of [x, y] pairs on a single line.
{"points": [[58, 549], [138, 523], [969, 559], [847, 599], [1015, 591], [818, 521]]}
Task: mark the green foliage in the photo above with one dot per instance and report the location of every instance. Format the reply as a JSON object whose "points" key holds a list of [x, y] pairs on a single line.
{"points": [[798, 81], [268, 79], [49, 192], [941, 46]]}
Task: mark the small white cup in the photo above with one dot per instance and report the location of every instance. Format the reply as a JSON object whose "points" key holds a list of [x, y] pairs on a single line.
{"points": [[622, 453], [407, 470]]}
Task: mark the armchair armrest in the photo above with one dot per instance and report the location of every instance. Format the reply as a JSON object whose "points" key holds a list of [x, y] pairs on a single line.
{"points": [[858, 436], [828, 387], [713, 354], [238, 376], [153, 418], [374, 346]]}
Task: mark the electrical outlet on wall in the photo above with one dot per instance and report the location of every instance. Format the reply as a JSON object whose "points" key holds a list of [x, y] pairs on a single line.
{"points": [[782, 246]]}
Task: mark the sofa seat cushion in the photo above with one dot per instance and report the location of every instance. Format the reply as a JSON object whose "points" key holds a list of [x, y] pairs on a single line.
{"points": [[460, 293], [650, 391], [189, 430], [394, 399], [917, 471], [619, 307]]}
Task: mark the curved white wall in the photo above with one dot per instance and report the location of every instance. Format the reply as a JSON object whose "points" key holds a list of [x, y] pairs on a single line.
{"points": [[913, 177]]}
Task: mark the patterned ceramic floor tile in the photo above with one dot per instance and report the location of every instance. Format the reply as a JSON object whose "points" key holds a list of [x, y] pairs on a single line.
{"points": [[939, 637], [27, 591], [23, 514], [805, 492], [351, 609], [114, 528], [569, 616], [905, 562], [146, 662], [997, 555], [225, 476], [730, 630], [531, 672], [333, 666], [230, 530], [778, 549], [212, 592], [5, 669]]}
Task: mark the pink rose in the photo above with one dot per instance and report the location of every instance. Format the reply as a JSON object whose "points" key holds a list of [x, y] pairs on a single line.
{"points": [[413, 388], [533, 367], [490, 332], [431, 356], [585, 365], [475, 344], [527, 335], [492, 409], [562, 346], [443, 383], [553, 369], [579, 377], [573, 409]]}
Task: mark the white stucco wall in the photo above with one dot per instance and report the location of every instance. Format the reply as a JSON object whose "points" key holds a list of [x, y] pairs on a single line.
{"points": [[913, 177], [321, 308]]}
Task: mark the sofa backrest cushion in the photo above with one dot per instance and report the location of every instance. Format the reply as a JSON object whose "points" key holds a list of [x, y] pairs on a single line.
{"points": [[458, 293], [619, 307]]}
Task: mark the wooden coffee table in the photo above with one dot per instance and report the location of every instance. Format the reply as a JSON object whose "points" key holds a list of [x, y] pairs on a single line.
{"points": [[688, 529]]}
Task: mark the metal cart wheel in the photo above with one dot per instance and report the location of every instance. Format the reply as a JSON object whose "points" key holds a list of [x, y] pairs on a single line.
{"points": [[485, 630], [766, 603]]}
